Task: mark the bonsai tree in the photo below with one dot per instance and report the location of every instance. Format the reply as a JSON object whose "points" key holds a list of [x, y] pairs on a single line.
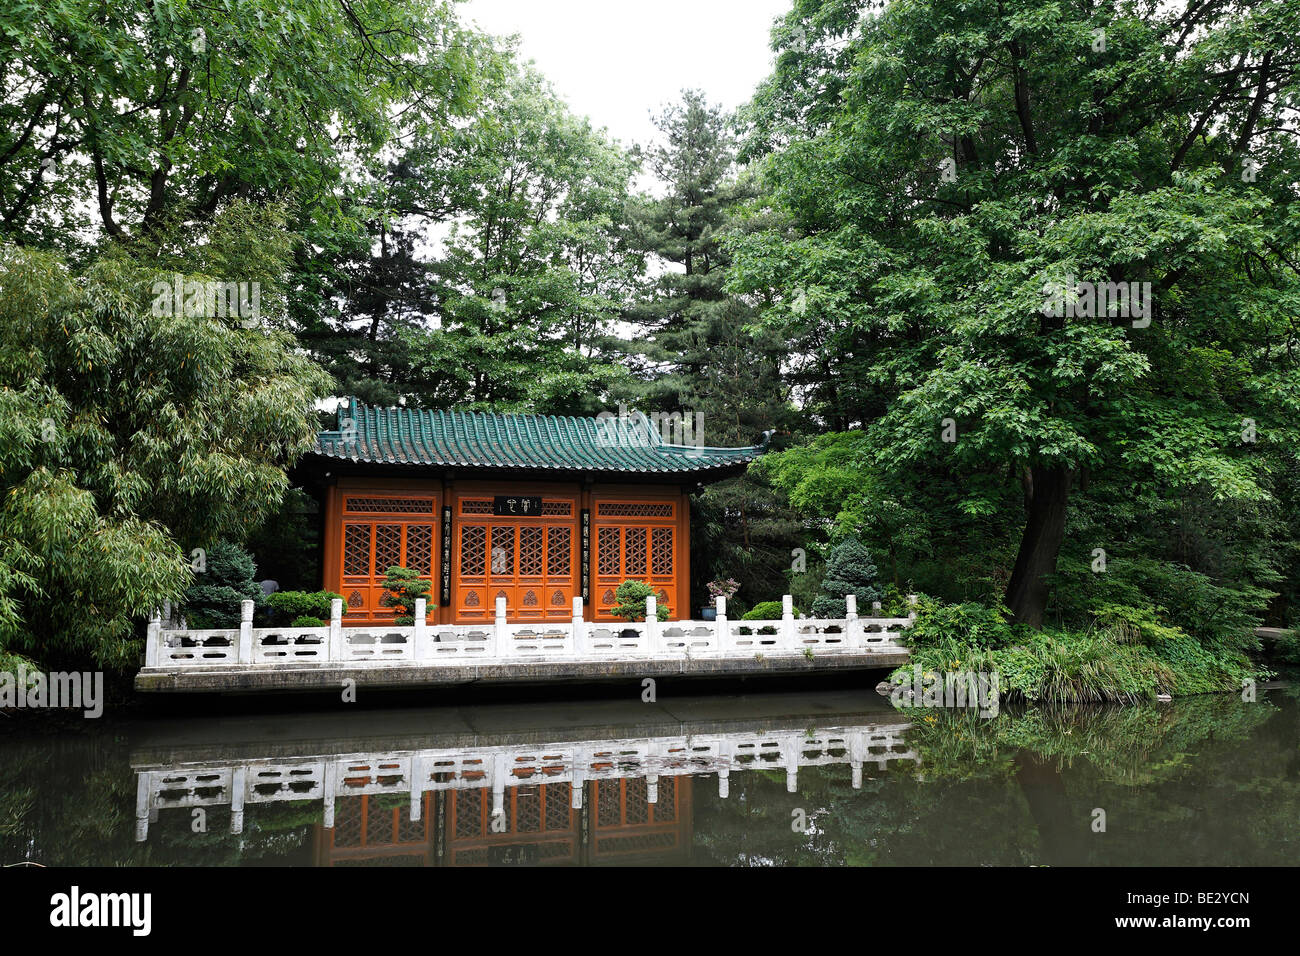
{"points": [[403, 586], [304, 608], [849, 570], [631, 597], [227, 578], [766, 611]]}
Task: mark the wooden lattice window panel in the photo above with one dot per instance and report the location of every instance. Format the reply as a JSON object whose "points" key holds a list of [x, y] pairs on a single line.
{"points": [[469, 812], [347, 822], [473, 550], [559, 814], [609, 812], [636, 805], [503, 551], [419, 548], [557, 508], [634, 549], [607, 544], [627, 509], [528, 810], [557, 551], [356, 549], [388, 547], [476, 507], [661, 551], [666, 808], [530, 551], [423, 506]]}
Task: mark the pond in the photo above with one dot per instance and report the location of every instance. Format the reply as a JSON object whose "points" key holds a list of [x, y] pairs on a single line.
{"points": [[820, 778]]}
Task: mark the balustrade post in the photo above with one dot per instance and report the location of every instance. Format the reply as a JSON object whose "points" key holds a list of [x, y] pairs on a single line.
{"points": [[875, 609], [331, 790], [579, 628], [421, 648], [792, 748], [152, 640], [787, 622], [911, 601], [143, 796], [579, 781], [417, 788], [237, 800], [499, 635], [245, 632], [652, 625], [852, 626], [723, 632], [336, 630]]}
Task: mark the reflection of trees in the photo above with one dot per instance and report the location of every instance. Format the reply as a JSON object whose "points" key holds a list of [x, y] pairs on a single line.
{"points": [[70, 801], [1205, 780]]}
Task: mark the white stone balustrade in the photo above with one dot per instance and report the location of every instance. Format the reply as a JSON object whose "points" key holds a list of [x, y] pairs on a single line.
{"points": [[497, 768], [501, 641]]}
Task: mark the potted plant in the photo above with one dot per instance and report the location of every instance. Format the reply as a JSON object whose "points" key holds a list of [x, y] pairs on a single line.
{"points": [[631, 597], [722, 587]]}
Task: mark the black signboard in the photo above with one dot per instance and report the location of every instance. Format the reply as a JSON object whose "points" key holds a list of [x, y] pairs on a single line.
{"points": [[586, 555], [445, 590], [518, 506]]}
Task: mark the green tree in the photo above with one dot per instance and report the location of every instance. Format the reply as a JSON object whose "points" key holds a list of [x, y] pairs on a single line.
{"points": [[937, 168], [164, 110], [403, 587], [849, 570], [222, 582], [696, 349], [129, 435]]}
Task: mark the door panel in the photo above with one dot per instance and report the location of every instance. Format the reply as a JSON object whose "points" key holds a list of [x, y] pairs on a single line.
{"points": [[529, 561]]}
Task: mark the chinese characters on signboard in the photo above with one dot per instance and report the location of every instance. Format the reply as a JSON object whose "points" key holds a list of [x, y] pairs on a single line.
{"points": [[519, 506]]}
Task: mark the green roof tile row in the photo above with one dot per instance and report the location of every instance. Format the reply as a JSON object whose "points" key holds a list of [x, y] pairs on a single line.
{"points": [[407, 436]]}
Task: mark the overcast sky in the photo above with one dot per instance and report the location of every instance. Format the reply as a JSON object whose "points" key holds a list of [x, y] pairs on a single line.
{"points": [[619, 61]]}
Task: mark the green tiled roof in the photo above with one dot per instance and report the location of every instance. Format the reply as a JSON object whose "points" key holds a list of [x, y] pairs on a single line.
{"points": [[630, 444]]}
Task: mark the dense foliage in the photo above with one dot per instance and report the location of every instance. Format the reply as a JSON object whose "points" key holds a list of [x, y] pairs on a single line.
{"points": [[863, 263]]}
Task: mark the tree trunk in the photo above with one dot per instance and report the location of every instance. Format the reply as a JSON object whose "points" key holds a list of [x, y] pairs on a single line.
{"points": [[1048, 490]]}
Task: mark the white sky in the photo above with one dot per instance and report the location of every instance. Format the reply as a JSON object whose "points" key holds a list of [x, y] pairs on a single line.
{"points": [[619, 61]]}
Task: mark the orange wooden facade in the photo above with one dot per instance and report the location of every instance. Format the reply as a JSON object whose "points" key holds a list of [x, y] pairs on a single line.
{"points": [[540, 827], [433, 526]]}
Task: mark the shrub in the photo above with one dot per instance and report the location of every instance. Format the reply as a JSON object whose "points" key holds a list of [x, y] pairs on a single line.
{"points": [[227, 580], [849, 570], [306, 621], [766, 611], [971, 625], [403, 586], [296, 604], [631, 597]]}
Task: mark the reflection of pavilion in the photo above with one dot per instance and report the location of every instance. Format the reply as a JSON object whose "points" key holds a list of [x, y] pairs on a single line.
{"points": [[538, 826], [426, 789]]}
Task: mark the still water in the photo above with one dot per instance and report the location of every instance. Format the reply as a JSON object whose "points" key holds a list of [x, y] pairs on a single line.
{"points": [[821, 778]]}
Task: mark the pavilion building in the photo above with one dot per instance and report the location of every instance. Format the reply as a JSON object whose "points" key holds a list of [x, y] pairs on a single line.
{"points": [[538, 509]]}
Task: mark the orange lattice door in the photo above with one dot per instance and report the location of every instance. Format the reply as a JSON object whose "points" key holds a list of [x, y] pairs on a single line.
{"points": [[379, 533], [634, 541], [529, 561]]}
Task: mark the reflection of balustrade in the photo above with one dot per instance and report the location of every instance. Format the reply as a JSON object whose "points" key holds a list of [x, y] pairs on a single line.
{"points": [[494, 769], [169, 649]]}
